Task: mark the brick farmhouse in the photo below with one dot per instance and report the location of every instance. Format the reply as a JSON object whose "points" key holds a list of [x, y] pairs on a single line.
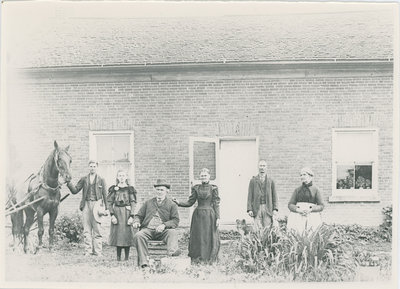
{"points": [[164, 97]]}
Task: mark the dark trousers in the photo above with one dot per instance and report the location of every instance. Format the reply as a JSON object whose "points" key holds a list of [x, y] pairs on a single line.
{"points": [[168, 236]]}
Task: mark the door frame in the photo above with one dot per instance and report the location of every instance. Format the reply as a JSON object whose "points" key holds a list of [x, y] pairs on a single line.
{"points": [[217, 141], [229, 225]]}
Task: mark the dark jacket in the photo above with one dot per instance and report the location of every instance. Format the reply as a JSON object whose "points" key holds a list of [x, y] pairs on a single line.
{"points": [[168, 212], [214, 198], [309, 194], [122, 197], [83, 184], [254, 195]]}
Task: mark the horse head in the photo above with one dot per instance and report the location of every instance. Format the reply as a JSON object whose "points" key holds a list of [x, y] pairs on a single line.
{"points": [[63, 162]]}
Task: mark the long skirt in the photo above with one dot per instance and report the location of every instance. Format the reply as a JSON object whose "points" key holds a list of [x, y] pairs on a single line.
{"points": [[204, 239], [121, 234], [301, 224]]}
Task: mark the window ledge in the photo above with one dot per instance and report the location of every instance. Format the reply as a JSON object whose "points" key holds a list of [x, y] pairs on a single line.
{"points": [[371, 197]]}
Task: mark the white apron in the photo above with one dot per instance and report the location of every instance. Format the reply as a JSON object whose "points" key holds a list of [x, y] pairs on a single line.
{"points": [[302, 224]]}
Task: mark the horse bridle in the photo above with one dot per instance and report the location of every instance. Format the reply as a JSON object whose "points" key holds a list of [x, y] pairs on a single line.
{"points": [[56, 161], [57, 166]]}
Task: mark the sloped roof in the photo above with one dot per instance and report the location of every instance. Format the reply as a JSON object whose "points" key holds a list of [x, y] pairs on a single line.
{"points": [[296, 37]]}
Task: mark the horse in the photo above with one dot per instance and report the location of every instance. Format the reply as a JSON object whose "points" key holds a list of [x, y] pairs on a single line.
{"points": [[44, 195]]}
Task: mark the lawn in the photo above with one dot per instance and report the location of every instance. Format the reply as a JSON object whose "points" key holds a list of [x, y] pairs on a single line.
{"points": [[66, 263]]}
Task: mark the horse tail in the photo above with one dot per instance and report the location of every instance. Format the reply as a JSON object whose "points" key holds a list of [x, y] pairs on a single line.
{"points": [[17, 223]]}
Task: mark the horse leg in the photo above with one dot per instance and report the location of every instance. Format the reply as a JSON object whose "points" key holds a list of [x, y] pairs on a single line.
{"points": [[30, 213], [52, 217], [39, 214]]}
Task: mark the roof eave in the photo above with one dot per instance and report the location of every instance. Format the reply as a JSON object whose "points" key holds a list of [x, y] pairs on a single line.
{"points": [[212, 70]]}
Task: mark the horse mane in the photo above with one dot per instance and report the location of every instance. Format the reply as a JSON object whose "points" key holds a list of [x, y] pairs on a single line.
{"points": [[45, 171]]}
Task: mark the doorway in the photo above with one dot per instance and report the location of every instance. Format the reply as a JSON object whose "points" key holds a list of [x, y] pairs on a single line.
{"points": [[232, 162], [237, 164]]}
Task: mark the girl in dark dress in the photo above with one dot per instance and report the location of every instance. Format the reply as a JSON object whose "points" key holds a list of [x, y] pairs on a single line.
{"points": [[204, 239], [121, 203]]}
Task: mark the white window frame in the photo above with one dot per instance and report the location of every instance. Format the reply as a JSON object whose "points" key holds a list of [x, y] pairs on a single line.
{"points": [[93, 145], [192, 140], [355, 195]]}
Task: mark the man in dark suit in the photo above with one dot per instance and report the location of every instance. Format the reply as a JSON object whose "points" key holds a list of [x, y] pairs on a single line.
{"points": [[262, 200], [158, 218], [93, 189]]}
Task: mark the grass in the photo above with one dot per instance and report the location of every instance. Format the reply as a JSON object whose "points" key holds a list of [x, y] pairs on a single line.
{"points": [[66, 263]]}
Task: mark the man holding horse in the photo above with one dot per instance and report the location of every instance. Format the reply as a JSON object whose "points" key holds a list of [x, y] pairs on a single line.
{"points": [[93, 189]]}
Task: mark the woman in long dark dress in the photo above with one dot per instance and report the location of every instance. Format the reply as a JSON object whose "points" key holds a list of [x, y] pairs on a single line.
{"points": [[204, 239], [121, 203]]}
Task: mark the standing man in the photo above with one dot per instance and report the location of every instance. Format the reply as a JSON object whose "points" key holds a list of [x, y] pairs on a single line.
{"points": [[262, 200], [158, 218], [93, 189]]}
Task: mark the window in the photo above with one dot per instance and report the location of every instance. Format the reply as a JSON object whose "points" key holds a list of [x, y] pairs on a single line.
{"points": [[113, 151], [355, 159], [202, 154]]}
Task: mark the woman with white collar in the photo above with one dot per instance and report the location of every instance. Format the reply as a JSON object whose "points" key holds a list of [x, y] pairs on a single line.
{"points": [[121, 203], [305, 205]]}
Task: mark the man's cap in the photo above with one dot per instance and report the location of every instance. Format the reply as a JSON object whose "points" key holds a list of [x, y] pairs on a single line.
{"points": [[162, 183]]}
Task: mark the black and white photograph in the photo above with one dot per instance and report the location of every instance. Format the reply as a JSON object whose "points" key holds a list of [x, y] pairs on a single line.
{"points": [[199, 143]]}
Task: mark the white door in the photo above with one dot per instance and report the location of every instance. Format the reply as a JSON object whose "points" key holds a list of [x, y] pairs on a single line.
{"points": [[237, 164]]}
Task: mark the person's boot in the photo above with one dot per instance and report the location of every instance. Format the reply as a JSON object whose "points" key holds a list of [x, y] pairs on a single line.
{"points": [[119, 249], [126, 253]]}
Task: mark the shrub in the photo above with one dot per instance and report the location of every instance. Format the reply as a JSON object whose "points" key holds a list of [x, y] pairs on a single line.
{"points": [[184, 238], [70, 228], [356, 233], [366, 258], [322, 255], [224, 235], [229, 235], [386, 226]]}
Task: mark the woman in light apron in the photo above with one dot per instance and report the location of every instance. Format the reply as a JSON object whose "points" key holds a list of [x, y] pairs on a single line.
{"points": [[305, 205]]}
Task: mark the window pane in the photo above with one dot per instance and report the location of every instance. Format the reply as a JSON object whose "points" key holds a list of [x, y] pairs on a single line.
{"points": [[345, 177], [355, 146], [113, 155], [104, 148], [204, 157], [363, 177], [108, 173], [121, 148]]}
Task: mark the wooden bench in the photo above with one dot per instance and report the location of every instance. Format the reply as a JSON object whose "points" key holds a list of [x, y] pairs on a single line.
{"points": [[157, 250]]}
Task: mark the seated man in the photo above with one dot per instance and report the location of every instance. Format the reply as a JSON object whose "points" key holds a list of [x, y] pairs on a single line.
{"points": [[157, 218]]}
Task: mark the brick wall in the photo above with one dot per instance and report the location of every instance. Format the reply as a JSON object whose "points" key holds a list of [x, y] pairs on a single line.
{"points": [[293, 118]]}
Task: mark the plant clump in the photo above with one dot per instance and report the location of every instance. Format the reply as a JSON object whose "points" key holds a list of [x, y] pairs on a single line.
{"points": [[70, 228]]}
